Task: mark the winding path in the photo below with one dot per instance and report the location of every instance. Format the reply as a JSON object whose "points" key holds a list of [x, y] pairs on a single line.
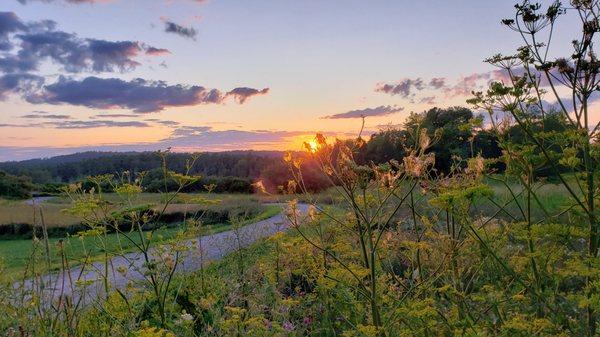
{"points": [[84, 283]]}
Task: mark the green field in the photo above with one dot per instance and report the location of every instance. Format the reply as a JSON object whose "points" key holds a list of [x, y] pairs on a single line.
{"points": [[15, 254], [18, 212]]}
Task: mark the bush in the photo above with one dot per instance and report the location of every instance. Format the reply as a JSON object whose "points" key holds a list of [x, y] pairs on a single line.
{"points": [[14, 187]]}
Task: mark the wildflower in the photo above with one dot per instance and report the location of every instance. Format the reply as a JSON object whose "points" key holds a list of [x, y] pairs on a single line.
{"points": [[476, 166], [168, 260], [73, 187], [563, 66], [291, 210], [288, 326], [260, 187], [185, 317], [416, 166], [297, 162], [291, 187], [387, 179], [424, 187], [209, 188], [154, 332], [424, 140], [312, 212]]}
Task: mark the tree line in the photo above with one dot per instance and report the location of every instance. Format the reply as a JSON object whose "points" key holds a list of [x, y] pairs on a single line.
{"points": [[456, 133]]}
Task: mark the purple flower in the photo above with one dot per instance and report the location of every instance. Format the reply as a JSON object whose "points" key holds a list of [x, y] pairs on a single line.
{"points": [[288, 326], [307, 320]]}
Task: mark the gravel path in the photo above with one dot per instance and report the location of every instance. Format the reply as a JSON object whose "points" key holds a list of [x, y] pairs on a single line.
{"points": [[37, 200], [84, 283]]}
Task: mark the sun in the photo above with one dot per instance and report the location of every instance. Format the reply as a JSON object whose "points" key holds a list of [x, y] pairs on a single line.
{"points": [[313, 146]]}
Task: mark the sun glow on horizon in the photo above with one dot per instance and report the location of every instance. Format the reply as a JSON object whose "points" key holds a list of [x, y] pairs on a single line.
{"points": [[312, 146]]}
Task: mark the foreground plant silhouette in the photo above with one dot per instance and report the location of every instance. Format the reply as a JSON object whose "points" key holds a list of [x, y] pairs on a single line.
{"points": [[375, 195], [523, 99]]}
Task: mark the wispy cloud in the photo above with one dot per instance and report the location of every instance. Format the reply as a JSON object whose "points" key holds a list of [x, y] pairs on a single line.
{"points": [[114, 116], [418, 90], [242, 94], [188, 131], [187, 32], [157, 51], [68, 123], [45, 116], [437, 82], [427, 100], [20, 84], [404, 88], [382, 110], [92, 124], [466, 84], [162, 122]]}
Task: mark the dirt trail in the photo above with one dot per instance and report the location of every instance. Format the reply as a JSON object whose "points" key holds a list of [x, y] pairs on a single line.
{"points": [[85, 282]]}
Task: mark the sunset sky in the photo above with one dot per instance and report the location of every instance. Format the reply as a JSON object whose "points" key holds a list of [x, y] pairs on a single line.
{"points": [[211, 75]]}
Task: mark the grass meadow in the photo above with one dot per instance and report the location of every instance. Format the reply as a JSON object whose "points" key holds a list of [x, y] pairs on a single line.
{"points": [[16, 252]]}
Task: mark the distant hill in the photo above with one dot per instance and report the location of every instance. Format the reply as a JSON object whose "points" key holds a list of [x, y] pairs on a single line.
{"points": [[68, 168]]}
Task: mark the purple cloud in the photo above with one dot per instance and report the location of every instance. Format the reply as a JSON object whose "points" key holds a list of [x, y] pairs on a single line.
{"points": [[162, 122], [205, 138], [427, 100], [77, 55], [106, 55], [9, 23], [241, 94], [18, 63], [467, 84], [19, 83], [188, 131], [40, 41], [45, 116], [66, 122], [187, 32], [97, 124], [138, 94], [157, 51], [437, 82], [114, 116], [404, 88], [368, 112]]}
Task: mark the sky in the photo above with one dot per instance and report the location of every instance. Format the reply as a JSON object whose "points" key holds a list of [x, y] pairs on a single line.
{"points": [[217, 75]]}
